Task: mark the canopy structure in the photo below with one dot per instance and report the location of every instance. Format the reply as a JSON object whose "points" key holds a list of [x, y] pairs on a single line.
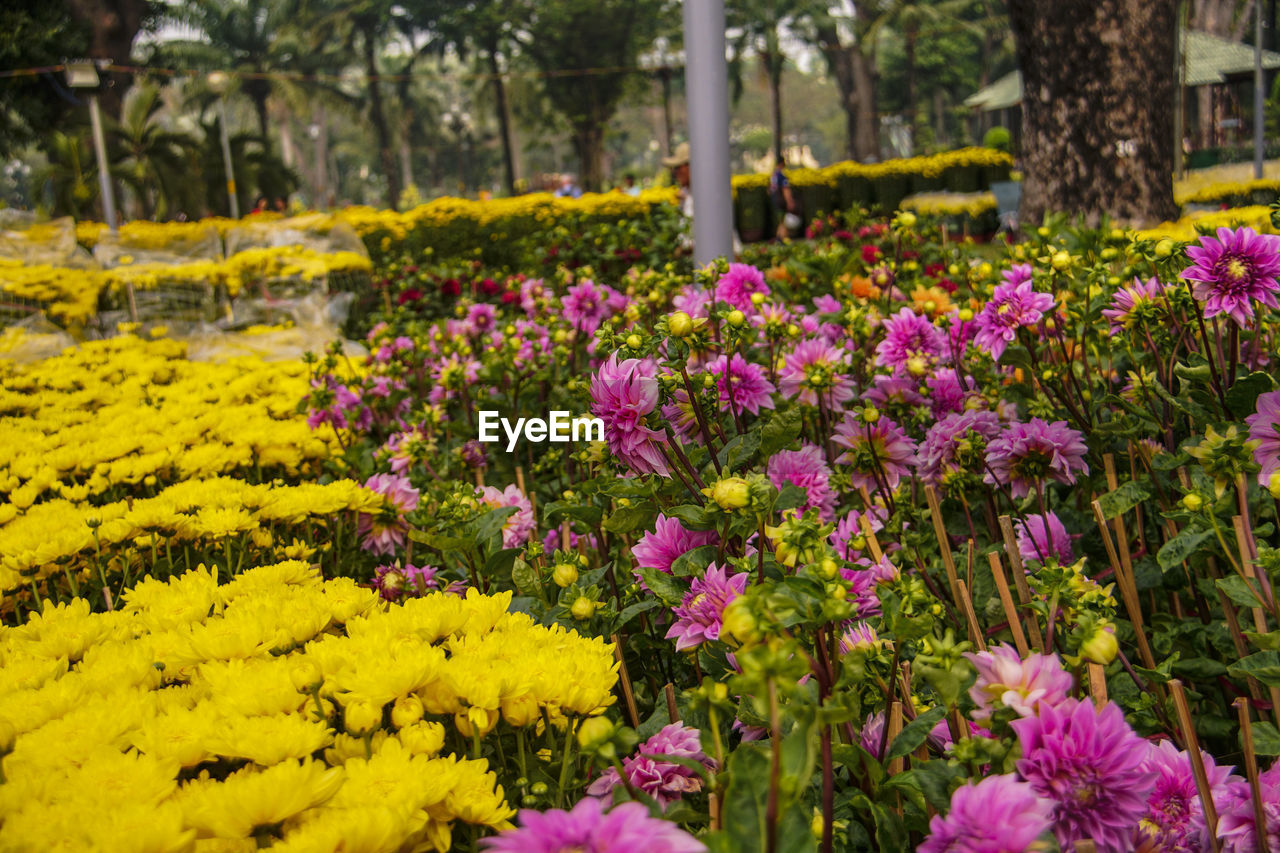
{"points": [[1210, 61]]}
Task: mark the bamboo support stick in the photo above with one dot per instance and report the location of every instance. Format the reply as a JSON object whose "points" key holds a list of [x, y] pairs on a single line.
{"points": [[1097, 683], [1117, 523], [1251, 772], [940, 532], [873, 544], [673, 713], [1244, 544], [970, 617], [1192, 744], [894, 724], [1020, 583], [1128, 591], [1006, 601], [627, 693]]}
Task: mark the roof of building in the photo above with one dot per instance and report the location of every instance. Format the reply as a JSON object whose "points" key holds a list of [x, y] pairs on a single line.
{"points": [[1210, 60]]}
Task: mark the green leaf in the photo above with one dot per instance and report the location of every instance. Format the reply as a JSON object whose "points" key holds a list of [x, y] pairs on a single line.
{"points": [[746, 801], [790, 497], [635, 610], [438, 541], [691, 516], [1238, 591], [663, 586], [557, 510], [1242, 399], [501, 562], [694, 561], [780, 432], [914, 733], [490, 524], [740, 450], [1266, 739], [1270, 640], [1123, 499], [1264, 666], [525, 577], [1174, 552], [628, 518], [1199, 669]]}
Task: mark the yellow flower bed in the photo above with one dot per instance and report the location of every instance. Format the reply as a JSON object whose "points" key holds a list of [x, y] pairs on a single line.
{"points": [[930, 166], [130, 412], [1189, 227], [69, 296], [243, 267], [972, 205], [275, 708], [154, 236]]}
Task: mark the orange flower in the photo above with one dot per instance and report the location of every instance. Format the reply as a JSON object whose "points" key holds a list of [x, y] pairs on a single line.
{"points": [[932, 301]]}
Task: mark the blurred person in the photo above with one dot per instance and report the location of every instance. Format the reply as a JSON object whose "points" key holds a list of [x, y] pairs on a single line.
{"points": [[784, 201], [629, 185], [567, 188]]}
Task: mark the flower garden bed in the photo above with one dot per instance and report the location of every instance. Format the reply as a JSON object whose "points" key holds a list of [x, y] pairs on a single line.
{"points": [[891, 543]]}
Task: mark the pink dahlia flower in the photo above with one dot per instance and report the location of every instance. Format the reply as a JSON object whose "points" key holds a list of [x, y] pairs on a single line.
{"points": [[1025, 455], [815, 359], [875, 450], [1131, 303], [698, 616], [667, 542], [1237, 824], [908, 335], [1231, 272], [665, 781], [1006, 680], [518, 526], [998, 815], [1264, 428], [623, 394], [744, 386], [737, 285], [386, 530], [1092, 766], [1042, 537], [1174, 822], [588, 828], [585, 306], [807, 469], [957, 444], [1013, 305]]}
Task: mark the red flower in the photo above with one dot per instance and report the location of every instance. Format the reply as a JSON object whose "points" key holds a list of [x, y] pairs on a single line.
{"points": [[451, 287], [410, 295], [870, 253]]}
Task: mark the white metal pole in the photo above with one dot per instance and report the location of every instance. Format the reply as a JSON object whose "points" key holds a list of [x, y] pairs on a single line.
{"points": [[707, 87], [226, 159], [1259, 93], [100, 149]]}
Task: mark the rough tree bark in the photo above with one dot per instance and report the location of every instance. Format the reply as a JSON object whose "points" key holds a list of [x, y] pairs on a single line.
{"points": [[856, 79], [377, 116], [1097, 107], [504, 119]]}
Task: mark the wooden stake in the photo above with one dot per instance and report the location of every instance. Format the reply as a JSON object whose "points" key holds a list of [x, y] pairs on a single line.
{"points": [[564, 535], [970, 617], [1020, 583], [940, 532], [1117, 523], [1006, 601], [1251, 772], [895, 728], [1097, 684], [1192, 744], [627, 693], [1244, 546], [1128, 592], [673, 714], [873, 544]]}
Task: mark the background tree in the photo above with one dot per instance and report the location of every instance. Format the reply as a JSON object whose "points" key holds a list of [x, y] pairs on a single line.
{"points": [[113, 25], [760, 25], [37, 34], [1097, 115], [70, 175], [582, 47], [154, 162], [843, 33]]}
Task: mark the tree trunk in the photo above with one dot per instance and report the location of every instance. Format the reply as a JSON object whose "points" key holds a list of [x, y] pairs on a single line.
{"points": [[259, 98], [588, 144], [386, 155], [1098, 109], [320, 187], [113, 25], [504, 120], [855, 78], [910, 61], [772, 57]]}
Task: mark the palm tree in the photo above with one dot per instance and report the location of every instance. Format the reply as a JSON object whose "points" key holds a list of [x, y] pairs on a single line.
{"points": [[251, 39], [155, 162], [70, 176]]}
